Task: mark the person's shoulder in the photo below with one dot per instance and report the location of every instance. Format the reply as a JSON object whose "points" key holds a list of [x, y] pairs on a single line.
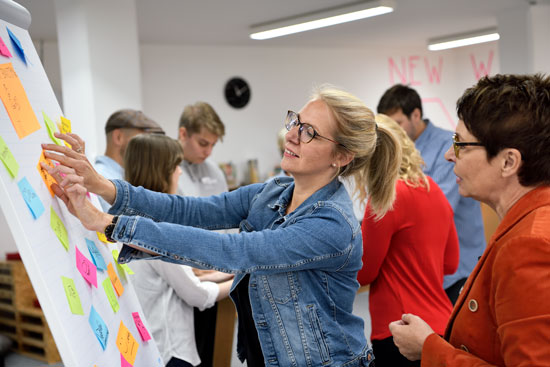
{"points": [[439, 132]]}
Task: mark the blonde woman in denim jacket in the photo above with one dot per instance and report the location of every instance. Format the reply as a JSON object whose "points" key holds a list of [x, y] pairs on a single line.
{"points": [[297, 255]]}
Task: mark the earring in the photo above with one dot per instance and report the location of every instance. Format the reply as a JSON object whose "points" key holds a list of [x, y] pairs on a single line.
{"points": [[334, 165]]}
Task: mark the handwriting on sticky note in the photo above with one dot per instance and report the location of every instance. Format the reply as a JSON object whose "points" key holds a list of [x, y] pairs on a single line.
{"points": [[4, 51], [31, 198], [72, 296], [126, 344], [15, 101], [86, 268], [99, 327], [141, 328], [46, 177], [125, 268], [110, 293], [59, 229], [8, 159], [97, 258], [115, 280], [50, 126]]}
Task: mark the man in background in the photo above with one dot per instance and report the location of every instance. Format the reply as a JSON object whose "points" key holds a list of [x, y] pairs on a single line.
{"points": [[121, 126], [403, 104], [200, 128]]}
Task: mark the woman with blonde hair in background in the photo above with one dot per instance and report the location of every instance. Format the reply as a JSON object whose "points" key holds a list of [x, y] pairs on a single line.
{"points": [[407, 252], [299, 250], [168, 292]]}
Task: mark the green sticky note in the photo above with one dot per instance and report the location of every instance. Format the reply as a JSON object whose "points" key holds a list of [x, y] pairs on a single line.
{"points": [[51, 129], [59, 229], [124, 267], [72, 296], [110, 292], [8, 159]]}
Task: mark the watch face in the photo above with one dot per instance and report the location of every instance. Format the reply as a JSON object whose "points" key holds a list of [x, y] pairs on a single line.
{"points": [[237, 92]]}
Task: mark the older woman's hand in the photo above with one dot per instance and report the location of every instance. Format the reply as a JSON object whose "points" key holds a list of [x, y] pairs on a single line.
{"points": [[409, 335], [73, 161]]}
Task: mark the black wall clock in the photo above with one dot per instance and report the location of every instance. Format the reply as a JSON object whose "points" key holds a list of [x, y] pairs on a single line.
{"points": [[237, 92]]}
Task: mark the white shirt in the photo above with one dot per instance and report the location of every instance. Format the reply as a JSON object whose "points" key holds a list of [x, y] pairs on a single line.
{"points": [[167, 293], [203, 179]]}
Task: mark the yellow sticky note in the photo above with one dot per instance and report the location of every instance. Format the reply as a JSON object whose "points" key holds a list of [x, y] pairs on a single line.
{"points": [[8, 159], [108, 287], [115, 280], [65, 128], [124, 267], [72, 296], [59, 229], [126, 344], [51, 129], [48, 179], [15, 101], [102, 237]]}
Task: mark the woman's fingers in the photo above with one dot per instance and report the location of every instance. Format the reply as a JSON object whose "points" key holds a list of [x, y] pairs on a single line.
{"points": [[76, 143], [66, 153]]}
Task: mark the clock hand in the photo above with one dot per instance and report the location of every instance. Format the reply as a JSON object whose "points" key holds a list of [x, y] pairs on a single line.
{"points": [[243, 89], [237, 91]]}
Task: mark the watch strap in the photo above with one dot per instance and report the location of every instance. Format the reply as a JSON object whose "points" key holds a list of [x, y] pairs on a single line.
{"points": [[110, 228]]}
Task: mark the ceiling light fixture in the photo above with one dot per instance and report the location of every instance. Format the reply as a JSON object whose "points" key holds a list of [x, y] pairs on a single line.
{"points": [[464, 39], [322, 18]]}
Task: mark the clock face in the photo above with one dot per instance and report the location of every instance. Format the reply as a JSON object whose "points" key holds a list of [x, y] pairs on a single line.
{"points": [[237, 92]]}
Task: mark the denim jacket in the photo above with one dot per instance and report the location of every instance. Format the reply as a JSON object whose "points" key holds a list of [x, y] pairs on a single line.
{"points": [[303, 266]]}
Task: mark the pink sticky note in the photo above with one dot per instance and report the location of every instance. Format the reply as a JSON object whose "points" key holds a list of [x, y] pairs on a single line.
{"points": [[86, 268], [124, 362], [3, 49], [141, 328]]}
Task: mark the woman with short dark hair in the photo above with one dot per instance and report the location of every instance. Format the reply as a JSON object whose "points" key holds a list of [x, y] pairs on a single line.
{"points": [[501, 152]]}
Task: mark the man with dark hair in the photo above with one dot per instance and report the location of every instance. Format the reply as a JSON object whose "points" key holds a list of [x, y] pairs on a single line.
{"points": [[403, 104], [121, 126]]}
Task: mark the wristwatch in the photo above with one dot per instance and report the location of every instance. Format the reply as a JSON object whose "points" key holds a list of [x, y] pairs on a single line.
{"points": [[110, 228]]}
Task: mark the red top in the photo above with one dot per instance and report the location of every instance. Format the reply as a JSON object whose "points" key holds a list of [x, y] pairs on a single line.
{"points": [[406, 254]]}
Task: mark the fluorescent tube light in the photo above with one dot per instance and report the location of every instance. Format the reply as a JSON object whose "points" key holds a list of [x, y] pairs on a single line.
{"points": [[320, 19], [465, 39]]}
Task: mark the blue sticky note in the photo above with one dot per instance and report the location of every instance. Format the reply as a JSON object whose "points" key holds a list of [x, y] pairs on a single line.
{"points": [[98, 260], [99, 327], [31, 198], [18, 48]]}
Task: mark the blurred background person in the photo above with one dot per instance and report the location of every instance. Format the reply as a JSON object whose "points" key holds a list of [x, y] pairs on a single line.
{"points": [[500, 153], [168, 292], [403, 104], [120, 127], [407, 252]]}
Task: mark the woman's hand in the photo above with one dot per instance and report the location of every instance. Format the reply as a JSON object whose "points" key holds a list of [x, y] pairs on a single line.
{"points": [[409, 335], [76, 160], [70, 190]]}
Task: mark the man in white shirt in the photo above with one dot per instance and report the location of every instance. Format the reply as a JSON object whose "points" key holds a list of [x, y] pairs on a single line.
{"points": [[121, 126], [200, 128]]}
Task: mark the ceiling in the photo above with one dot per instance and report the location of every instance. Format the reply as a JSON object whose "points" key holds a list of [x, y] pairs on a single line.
{"points": [[227, 22]]}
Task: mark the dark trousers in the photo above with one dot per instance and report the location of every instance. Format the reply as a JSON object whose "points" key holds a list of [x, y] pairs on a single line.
{"points": [[454, 290], [386, 354], [205, 333], [176, 362]]}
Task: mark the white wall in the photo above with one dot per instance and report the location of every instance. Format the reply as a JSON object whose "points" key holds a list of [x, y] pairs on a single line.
{"points": [[282, 78]]}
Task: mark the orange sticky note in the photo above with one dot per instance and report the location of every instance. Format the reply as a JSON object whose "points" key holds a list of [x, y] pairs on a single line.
{"points": [[126, 344], [48, 179], [115, 280], [15, 101]]}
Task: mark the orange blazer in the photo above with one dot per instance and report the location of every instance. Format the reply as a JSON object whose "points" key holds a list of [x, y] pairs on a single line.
{"points": [[502, 316]]}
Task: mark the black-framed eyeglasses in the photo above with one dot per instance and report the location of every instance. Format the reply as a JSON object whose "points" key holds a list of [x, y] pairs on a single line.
{"points": [[306, 132], [458, 144]]}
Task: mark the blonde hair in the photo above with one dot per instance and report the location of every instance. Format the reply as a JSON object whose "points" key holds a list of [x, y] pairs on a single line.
{"points": [[150, 161], [410, 170], [377, 153], [201, 115]]}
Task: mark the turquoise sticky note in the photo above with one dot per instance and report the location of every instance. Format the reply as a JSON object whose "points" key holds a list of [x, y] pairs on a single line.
{"points": [[99, 327], [17, 45], [31, 198], [98, 260]]}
